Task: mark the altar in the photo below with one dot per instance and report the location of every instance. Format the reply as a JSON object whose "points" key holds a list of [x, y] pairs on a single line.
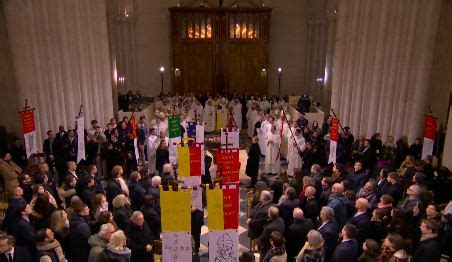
{"points": [[147, 111]]}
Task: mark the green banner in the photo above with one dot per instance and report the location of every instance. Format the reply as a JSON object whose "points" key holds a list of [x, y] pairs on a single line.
{"points": [[174, 126]]}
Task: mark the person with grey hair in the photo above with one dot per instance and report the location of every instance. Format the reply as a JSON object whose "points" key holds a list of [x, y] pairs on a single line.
{"points": [[139, 238], [274, 223], [258, 216], [71, 169], [168, 174], [121, 211], [297, 232], [98, 243], [154, 190], [329, 231]]}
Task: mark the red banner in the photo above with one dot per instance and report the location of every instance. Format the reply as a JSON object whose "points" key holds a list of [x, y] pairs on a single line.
{"points": [[228, 164], [334, 133], [133, 122], [231, 206], [195, 160], [28, 121], [430, 127]]}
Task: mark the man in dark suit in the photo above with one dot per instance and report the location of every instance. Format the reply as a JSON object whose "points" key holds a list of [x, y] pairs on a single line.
{"points": [[274, 223], [24, 231], [347, 250], [14, 203], [92, 171], [368, 156], [258, 216], [297, 233], [136, 191], [11, 253], [79, 233], [49, 144], [329, 231], [286, 208], [361, 220], [311, 205], [113, 187], [393, 188], [358, 177]]}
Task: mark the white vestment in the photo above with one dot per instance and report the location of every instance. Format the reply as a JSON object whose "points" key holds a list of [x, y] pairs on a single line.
{"points": [[272, 154], [265, 127], [294, 159], [151, 148], [210, 118], [253, 117], [237, 114]]}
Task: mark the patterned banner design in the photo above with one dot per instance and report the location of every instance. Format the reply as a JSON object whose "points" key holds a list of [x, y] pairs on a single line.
{"points": [[429, 136], [196, 194], [175, 206], [195, 160], [174, 126], [334, 135], [191, 130], [28, 127], [228, 164], [223, 210], [233, 137], [176, 246]]}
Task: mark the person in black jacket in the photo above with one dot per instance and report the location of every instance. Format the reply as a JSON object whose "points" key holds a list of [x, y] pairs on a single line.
{"points": [[429, 248], [329, 231], [161, 156], [79, 233], [92, 171], [122, 211], [23, 231], [347, 250], [206, 178], [87, 190], [113, 185], [136, 191], [197, 221], [152, 216], [286, 208], [311, 205], [252, 164], [14, 202], [361, 220], [274, 223], [297, 233], [258, 216], [9, 252], [139, 239]]}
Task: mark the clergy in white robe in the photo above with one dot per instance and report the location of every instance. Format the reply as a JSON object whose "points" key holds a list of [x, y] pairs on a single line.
{"points": [[224, 114], [252, 116], [209, 117], [237, 113], [199, 112], [296, 145], [265, 105], [152, 142], [265, 128], [272, 152]]}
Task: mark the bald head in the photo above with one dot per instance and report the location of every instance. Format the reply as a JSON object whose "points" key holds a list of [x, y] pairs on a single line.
{"points": [[273, 212], [362, 205], [298, 214], [338, 188]]}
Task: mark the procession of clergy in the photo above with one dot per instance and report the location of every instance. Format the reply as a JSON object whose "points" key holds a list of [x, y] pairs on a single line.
{"points": [[268, 121]]}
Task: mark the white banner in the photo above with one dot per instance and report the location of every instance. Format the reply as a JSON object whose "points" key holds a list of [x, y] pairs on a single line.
{"points": [[80, 138], [176, 246], [427, 148], [333, 147], [224, 245], [233, 137], [196, 195], [30, 143]]}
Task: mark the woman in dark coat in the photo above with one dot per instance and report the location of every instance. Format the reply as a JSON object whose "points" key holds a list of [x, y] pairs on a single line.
{"points": [[252, 164]]}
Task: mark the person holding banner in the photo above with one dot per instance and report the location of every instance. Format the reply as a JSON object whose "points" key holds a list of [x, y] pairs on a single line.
{"points": [[272, 151]]}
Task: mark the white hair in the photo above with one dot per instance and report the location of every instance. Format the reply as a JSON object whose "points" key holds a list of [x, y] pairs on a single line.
{"points": [[135, 215], [156, 181], [105, 228], [298, 213], [266, 195], [167, 168]]}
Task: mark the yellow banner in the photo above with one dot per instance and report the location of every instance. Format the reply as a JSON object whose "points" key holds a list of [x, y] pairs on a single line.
{"points": [[215, 208], [176, 212], [219, 119], [183, 161]]}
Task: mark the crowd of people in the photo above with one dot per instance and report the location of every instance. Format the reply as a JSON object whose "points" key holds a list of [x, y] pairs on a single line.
{"points": [[378, 202]]}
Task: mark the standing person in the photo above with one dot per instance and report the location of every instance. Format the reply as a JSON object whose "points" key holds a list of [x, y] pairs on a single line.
{"points": [[162, 156], [429, 248], [347, 250], [151, 149], [277, 251], [80, 232], [10, 252], [139, 239], [252, 164], [99, 242], [23, 231], [197, 221], [9, 172], [252, 116], [329, 231], [116, 249], [209, 117], [237, 113], [136, 191], [312, 250], [272, 151], [274, 223], [296, 147], [297, 233], [49, 249]]}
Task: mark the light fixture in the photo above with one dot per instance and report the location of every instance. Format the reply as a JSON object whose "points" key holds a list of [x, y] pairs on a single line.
{"points": [[162, 69], [177, 71], [279, 69]]}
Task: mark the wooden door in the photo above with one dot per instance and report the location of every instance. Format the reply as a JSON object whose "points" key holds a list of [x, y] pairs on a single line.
{"points": [[197, 69], [243, 68]]}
